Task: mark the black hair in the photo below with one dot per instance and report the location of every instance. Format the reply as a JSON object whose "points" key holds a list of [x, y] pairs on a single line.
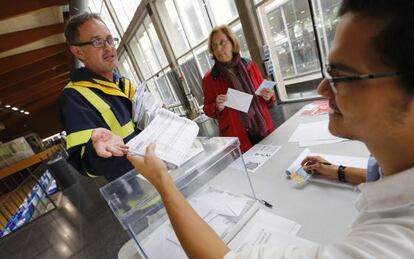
{"points": [[76, 21], [394, 42]]}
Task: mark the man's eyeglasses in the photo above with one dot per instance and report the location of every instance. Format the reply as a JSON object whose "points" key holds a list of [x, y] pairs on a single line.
{"points": [[98, 43], [334, 80]]}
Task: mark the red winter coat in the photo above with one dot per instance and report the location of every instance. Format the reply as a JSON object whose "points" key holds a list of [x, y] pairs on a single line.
{"points": [[230, 124]]}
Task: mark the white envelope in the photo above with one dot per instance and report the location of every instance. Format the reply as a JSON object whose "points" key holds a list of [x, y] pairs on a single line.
{"points": [[238, 100], [266, 84]]}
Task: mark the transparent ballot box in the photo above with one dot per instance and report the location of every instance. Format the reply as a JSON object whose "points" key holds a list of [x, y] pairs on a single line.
{"points": [[214, 181]]}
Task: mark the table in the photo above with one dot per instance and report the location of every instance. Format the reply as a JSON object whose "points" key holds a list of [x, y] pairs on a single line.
{"points": [[325, 212]]}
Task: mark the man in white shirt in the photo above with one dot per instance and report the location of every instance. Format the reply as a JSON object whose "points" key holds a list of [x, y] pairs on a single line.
{"points": [[370, 86]]}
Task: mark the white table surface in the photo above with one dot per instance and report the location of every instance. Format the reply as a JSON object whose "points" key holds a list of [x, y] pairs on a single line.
{"points": [[325, 212]]}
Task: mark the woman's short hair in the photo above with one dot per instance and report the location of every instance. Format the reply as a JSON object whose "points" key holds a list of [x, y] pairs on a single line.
{"points": [[230, 35]]}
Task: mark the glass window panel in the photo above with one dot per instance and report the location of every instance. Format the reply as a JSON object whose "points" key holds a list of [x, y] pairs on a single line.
{"points": [[99, 7], [193, 78], [125, 10], [165, 90], [244, 49], [157, 44], [204, 60], [302, 37], [148, 52], [223, 11], [326, 20], [126, 69], [280, 43], [196, 29], [173, 27], [152, 87], [140, 58]]}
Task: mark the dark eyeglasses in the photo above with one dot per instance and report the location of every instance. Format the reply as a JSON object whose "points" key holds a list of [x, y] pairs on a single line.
{"points": [[334, 80], [98, 43]]}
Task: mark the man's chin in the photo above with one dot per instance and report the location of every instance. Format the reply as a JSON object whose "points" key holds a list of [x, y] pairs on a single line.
{"points": [[340, 131]]}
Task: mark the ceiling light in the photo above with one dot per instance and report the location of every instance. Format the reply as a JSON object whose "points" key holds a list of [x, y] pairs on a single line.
{"points": [[22, 111], [27, 113], [7, 106], [15, 109]]}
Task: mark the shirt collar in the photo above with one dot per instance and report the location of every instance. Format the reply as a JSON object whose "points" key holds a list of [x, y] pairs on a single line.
{"points": [[84, 74], [390, 192]]}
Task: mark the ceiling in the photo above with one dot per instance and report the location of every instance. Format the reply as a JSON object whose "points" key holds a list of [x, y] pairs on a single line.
{"points": [[34, 65]]}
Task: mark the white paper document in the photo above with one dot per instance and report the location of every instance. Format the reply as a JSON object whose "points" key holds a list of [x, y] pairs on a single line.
{"points": [[266, 84], [351, 161], [266, 228], [266, 235], [217, 208], [173, 137], [255, 157], [238, 100], [312, 133]]}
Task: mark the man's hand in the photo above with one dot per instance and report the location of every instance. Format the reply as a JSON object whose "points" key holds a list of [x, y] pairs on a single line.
{"points": [[151, 167], [321, 166], [108, 144], [267, 94], [221, 98]]}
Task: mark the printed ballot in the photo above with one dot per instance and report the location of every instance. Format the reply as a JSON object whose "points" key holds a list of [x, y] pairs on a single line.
{"points": [[173, 137], [266, 84]]}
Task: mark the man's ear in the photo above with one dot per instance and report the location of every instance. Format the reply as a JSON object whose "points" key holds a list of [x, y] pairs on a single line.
{"points": [[77, 51]]}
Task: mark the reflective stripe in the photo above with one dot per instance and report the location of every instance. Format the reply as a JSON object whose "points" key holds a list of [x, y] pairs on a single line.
{"points": [[127, 86], [78, 138], [106, 89], [105, 110], [133, 90]]}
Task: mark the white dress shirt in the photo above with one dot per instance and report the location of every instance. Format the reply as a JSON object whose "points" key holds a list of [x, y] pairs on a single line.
{"points": [[384, 227]]}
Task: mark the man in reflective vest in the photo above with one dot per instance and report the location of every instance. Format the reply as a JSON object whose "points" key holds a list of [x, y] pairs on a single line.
{"points": [[96, 101]]}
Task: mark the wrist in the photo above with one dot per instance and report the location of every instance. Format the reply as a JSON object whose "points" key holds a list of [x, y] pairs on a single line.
{"points": [[165, 185]]}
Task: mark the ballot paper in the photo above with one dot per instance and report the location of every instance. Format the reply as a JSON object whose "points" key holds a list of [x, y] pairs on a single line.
{"points": [[163, 242], [144, 107], [260, 235], [238, 100], [255, 157], [173, 137], [351, 161], [314, 133], [266, 228], [266, 84]]}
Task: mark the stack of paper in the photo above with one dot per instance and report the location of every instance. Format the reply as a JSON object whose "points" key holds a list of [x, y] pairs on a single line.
{"points": [[312, 134], [219, 209], [268, 229], [172, 135]]}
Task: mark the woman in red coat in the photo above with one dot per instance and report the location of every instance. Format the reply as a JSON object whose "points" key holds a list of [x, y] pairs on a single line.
{"points": [[232, 71]]}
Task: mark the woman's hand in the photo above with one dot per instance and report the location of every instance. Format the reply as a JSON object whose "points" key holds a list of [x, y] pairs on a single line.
{"points": [[108, 144], [267, 94], [151, 167], [221, 98], [317, 164]]}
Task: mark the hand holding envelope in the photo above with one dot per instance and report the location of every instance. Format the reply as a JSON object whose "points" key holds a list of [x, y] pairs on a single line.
{"points": [[238, 100]]}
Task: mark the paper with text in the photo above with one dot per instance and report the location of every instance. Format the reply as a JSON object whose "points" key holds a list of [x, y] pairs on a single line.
{"points": [[172, 135], [266, 84]]}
